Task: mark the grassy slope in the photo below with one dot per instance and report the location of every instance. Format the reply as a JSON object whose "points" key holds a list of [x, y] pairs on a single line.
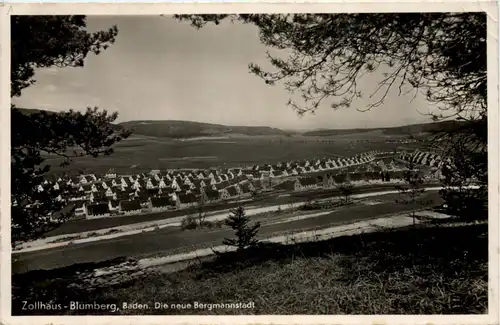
{"points": [[428, 270], [188, 129], [399, 130]]}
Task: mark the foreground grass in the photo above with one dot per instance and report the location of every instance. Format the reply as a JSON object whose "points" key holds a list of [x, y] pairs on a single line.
{"points": [[428, 270]]}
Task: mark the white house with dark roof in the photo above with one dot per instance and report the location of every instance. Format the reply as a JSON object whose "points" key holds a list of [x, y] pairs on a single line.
{"points": [[123, 182], [109, 192], [175, 185], [328, 181], [110, 174], [135, 185], [162, 184], [84, 180], [149, 184], [223, 194]]}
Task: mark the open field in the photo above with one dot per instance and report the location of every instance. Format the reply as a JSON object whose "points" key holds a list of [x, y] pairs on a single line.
{"points": [[141, 153], [171, 239]]}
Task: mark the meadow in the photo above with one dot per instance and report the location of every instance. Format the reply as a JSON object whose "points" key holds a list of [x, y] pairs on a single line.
{"points": [[141, 153]]}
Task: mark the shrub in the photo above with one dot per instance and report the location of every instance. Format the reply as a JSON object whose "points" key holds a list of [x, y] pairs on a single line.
{"points": [[189, 223], [346, 189], [470, 204], [246, 234]]}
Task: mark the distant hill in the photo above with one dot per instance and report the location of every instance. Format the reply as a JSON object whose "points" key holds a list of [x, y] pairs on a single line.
{"points": [[187, 129], [29, 111], [398, 130]]}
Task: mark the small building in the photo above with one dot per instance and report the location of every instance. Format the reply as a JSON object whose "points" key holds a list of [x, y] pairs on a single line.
{"points": [[211, 195], [356, 177], [158, 204], [256, 185], [110, 174], [328, 181], [340, 178], [290, 185], [123, 195], [186, 187], [114, 206], [245, 188], [98, 210], [152, 192], [308, 182], [232, 191], [224, 194], [130, 207], [80, 208], [187, 199], [98, 197]]}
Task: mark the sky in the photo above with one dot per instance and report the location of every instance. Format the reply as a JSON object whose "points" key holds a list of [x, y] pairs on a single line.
{"points": [[163, 69]]}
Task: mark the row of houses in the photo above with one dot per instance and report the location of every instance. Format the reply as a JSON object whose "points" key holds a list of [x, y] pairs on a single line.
{"points": [[330, 180], [161, 201], [137, 204], [422, 158], [156, 191], [184, 181], [276, 170]]}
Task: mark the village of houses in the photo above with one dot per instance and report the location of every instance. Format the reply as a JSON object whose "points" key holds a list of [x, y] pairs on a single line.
{"points": [[94, 196]]}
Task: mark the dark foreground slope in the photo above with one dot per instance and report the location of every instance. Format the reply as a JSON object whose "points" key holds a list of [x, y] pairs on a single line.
{"points": [[430, 270]]}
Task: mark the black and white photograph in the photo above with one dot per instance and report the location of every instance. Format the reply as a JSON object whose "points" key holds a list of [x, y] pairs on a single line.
{"points": [[280, 163]]}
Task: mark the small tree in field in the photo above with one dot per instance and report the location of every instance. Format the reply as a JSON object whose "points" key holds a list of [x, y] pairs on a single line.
{"points": [[245, 233], [346, 188], [202, 215], [411, 192]]}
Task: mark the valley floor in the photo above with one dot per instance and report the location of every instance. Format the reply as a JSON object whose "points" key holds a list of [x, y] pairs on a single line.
{"points": [[169, 240]]}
